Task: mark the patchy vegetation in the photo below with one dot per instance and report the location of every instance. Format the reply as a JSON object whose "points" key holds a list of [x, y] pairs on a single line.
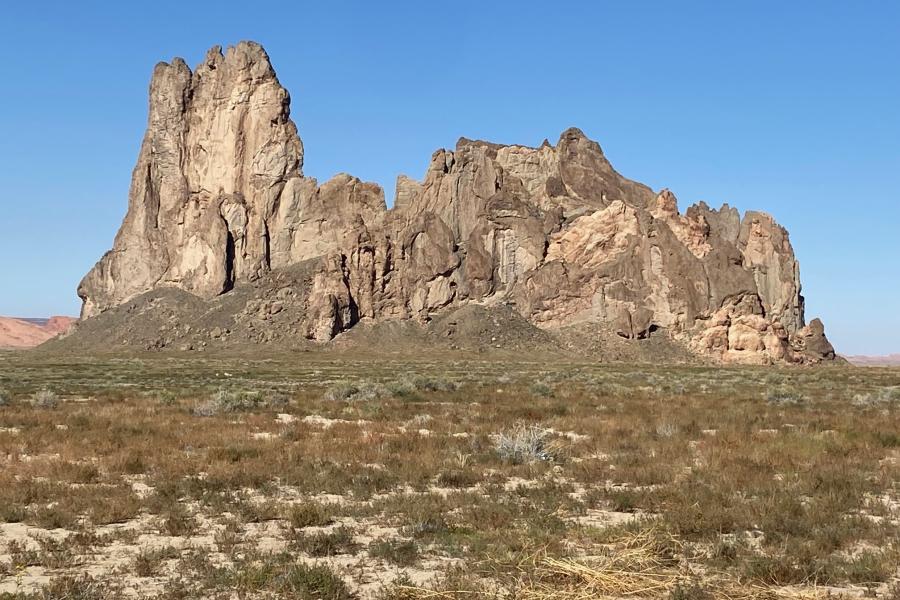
{"points": [[446, 480]]}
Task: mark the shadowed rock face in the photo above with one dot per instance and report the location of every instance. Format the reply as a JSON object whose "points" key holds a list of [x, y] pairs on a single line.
{"points": [[218, 197]]}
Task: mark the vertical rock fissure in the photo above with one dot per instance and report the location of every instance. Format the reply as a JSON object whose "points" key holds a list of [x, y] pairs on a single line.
{"points": [[229, 260]]}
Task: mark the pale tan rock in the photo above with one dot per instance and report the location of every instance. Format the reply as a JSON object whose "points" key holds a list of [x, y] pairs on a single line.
{"points": [[595, 239], [768, 252], [693, 231]]}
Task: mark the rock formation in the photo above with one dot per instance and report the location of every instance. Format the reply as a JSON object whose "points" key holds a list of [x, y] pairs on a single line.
{"points": [[218, 198]]}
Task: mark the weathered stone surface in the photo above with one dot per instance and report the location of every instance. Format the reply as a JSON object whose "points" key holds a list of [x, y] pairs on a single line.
{"points": [[553, 232], [811, 341]]}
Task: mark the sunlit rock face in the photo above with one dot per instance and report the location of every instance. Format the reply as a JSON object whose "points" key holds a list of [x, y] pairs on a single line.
{"points": [[218, 197]]}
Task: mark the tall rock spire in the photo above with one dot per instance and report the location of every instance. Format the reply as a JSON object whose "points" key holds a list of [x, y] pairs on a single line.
{"points": [[220, 148]]}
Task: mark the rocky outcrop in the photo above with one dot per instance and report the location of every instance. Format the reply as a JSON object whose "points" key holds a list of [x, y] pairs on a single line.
{"points": [[218, 197]]}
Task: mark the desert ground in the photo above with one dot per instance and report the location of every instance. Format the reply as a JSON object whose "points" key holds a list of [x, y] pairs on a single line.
{"points": [[331, 477]]}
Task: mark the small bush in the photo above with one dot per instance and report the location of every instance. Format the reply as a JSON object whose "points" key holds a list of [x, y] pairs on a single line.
{"points": [[46, 399], [341, 392], [410, 386], [356, 392], [167, 398], [403, 388], [690, 591], [542, 390], [149, 561], [230, 401], [178, 523], [784, 397], [427, 526], [4, 400], [666, 430], [524, 444], [22, 556], [331, 543], [228, 538], [434, 384], [458, 478], [308, 514], [403, 553], [313, 582]]}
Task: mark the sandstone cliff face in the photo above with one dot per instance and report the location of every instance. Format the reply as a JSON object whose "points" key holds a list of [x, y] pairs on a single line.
{"points": [[218, 197]]}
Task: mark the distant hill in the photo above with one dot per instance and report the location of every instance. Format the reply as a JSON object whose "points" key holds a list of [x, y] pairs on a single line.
{"points": [[888, 360], [27, 332]]}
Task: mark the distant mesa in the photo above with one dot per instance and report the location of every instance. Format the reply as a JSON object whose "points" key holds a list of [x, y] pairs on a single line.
{"points": [[227, 244], [28, 333], [887, 360]]}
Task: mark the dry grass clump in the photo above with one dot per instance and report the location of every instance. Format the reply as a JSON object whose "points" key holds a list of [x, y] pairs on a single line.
{"points": [[667, 429], [325, 543], [148, 562], [635, 564], [542, 390], [225, 401], [525, 444], [785, 397], [308, 514], [403, 553], [431, 383], [46, 399]]}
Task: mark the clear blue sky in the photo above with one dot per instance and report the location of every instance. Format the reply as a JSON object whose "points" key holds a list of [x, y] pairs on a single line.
{"points": [[788, 107]]}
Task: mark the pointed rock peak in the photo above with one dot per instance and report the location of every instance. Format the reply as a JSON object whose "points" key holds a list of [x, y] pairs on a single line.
{"points": [[760, 218], [176, 67], [213, 57], [817, 327], [574, 140], [248, 51], [572, 134], [666, 203]]}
